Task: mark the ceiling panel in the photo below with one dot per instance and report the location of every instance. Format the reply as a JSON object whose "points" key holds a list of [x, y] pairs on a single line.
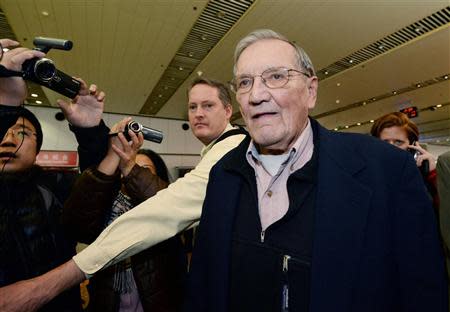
{"points": [[125, 47]]}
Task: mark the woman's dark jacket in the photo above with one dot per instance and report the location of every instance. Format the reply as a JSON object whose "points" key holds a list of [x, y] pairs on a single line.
{"points": [[159, 271]]}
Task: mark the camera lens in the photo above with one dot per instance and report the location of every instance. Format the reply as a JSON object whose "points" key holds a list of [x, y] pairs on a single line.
{"points": [[44, 69], [134, 126]]}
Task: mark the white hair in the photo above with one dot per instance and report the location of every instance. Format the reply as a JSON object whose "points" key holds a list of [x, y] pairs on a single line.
{"points": [[303, 60]]}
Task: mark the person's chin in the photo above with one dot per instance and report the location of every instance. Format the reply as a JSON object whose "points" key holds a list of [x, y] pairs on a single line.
{"points": [[200, 131]]}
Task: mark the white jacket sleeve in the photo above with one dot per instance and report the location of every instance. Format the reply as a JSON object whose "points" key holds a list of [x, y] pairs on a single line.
{"points": [[169, 212]]}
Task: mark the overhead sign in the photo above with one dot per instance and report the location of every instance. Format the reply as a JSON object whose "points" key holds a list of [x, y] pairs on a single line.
{"points": [[57, 159], [411, 111]]}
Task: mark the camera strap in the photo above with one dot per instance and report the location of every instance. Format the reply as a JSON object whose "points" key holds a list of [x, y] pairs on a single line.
{"points": [[5, 72], [239, 130]]}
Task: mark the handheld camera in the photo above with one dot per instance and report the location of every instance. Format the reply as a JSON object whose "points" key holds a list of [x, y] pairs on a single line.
{"points": [[148, 133], [44, 72]]}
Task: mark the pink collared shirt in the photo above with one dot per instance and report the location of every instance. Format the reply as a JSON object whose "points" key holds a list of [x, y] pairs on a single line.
{"points": [[273, 197]]}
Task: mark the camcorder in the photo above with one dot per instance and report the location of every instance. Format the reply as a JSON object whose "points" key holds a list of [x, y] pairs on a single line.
{"points": [[148, 133], [44, 72]]}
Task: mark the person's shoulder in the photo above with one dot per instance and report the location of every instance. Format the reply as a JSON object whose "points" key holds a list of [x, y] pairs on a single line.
{"points": [[362, 144], [445, 157], [236, 155], [227, 144]]}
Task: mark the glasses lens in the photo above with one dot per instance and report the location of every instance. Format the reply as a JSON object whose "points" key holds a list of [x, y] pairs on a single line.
{"points": [[243, 84], [275, 78]]}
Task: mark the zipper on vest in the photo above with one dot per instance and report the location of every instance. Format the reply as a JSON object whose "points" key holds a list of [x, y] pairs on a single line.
{"points": [[262, 236], [285, 288]]}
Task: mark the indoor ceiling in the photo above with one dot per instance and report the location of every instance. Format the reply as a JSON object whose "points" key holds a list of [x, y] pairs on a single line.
{"points": [[372, 56]]}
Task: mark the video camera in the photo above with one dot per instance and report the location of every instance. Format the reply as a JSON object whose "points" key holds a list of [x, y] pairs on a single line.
{"points": [[43, 70], [148, 133]]}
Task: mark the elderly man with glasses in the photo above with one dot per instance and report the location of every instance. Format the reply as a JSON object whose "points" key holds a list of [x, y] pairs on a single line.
{"points": [[314, 220]]}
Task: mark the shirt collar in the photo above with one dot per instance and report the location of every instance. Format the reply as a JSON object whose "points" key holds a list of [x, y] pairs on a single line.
{"points": [[303, 144]]}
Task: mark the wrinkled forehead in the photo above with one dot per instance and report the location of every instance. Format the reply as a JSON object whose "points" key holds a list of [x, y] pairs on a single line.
{"points": [[265, 54]]}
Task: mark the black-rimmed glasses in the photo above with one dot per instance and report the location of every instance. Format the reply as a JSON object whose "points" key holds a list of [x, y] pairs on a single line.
{"points": [[20, 133]]}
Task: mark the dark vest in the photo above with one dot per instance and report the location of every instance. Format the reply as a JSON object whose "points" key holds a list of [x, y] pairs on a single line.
{"points": [[270, 271]]}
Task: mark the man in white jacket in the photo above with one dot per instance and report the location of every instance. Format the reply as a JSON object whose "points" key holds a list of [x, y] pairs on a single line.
{"points": [[169, 212]]}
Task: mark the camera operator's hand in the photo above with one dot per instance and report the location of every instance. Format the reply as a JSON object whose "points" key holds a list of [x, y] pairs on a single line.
{"points": [[127, 151], [424, 155], [86, 109], [110, 163], [13, 90]]}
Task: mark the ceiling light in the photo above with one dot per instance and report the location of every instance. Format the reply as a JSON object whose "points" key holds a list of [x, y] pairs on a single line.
{"points": [[337, 101], [418, 85], [5, 49], [445, 77], [418, 29], [199, 73], [372, 121], [373, 99], [358, 124], [364, 103], [346, 127], [160, 95], [38, 102], [336, 129], [45, 13], [381, 47], [203, 37], [221, 14], [326, 73], [172, 78], [34, 95], [394, 92], [338, 84], [191, 54], [180, 68], [439, 105], [350, 61]]}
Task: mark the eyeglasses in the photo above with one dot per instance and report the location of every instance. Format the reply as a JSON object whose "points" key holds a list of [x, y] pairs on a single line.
{"points": [[20, 133], [272, 78]]}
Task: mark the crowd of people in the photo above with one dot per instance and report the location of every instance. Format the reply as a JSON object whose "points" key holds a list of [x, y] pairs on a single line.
{"points": [[291, 216]]}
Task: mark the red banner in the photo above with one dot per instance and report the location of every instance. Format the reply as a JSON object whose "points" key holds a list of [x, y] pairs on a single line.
{"points": [[57, 159]]}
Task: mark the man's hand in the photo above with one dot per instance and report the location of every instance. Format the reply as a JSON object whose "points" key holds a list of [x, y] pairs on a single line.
{"points": [[13, 90], [20, 296], [424, 155], [86, 109], [32, 294]]}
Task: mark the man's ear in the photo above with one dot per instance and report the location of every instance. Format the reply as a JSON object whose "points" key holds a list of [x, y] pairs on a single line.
{"points": [[312, 92], [229, 110]]}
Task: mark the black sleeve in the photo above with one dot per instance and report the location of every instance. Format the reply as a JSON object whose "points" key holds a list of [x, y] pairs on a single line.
{"points": [[92, 144]]}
